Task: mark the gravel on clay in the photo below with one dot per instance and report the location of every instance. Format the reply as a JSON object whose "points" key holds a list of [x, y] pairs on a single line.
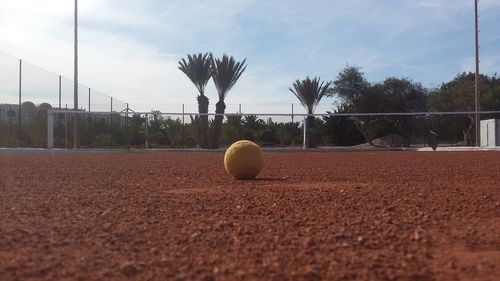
{"points": [[309, 216]]}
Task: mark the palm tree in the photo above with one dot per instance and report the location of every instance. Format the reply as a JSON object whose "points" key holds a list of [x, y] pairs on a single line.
{"points": [[252, 127], [225, 73], [310, 92], [198, 69], [235, 120]]}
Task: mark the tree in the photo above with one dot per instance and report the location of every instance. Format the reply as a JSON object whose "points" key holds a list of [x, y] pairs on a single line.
{"points": [[232, 129], [342, 130], [137, 130], [310, 92], [156, 132], [399, 95], [405, 96], [350, 86], [458, 95], [361, 97], [198, 69], [225, 73], [252, 127], [173, 129], [289, 133]]}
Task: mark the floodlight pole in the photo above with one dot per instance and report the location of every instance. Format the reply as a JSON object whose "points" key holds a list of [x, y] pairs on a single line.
{"points": [[476, 86], [75, 81]]}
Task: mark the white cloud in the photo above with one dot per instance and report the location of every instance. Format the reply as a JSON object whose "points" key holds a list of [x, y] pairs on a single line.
{"points": [[115, 63]]}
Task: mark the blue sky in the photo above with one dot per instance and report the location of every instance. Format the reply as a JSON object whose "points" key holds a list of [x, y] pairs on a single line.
{"points": [[129, 49]]}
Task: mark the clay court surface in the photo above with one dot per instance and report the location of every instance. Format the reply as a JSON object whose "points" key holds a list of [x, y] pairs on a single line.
{"points": [[309, 216]]}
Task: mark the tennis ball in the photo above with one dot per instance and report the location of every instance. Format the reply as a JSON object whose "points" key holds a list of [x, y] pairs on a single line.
{"points": [[244, 160]]}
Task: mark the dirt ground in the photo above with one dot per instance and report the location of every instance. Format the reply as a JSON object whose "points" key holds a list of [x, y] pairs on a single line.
{"points": [[309, 216]]}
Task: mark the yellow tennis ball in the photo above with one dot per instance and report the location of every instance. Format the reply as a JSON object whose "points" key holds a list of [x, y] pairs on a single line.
{"points": [[244, 160]]}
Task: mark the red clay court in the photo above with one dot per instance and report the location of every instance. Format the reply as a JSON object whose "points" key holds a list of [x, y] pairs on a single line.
{"points": [[309, 216]]}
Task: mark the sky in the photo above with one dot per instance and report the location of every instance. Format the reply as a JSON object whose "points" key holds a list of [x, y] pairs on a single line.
{"points": [[130, 49]]}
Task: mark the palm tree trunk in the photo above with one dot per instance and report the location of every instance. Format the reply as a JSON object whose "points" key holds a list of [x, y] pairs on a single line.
{"points": [[203, 129], [220, 108], [310, 132]]}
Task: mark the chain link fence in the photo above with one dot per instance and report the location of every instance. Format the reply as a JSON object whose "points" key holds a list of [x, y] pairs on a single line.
{"points": [[183, 130], [27, 92]]}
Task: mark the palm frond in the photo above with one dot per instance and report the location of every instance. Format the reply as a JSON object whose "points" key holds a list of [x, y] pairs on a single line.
{"points": [[310, 92], [225, 73], [198, 69]]}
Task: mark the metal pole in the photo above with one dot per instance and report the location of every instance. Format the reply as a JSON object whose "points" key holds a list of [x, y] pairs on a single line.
{"points": [[183, 134], [111, 122], [19, 113], [60, 90], [292, 127], [240, 125], [66, 125], [305, 133], [58, 115], [50, 129], [147, 136], [10, 125], [89, 117], [126, 128], [75, 81], [89, 101], [476, 86]]}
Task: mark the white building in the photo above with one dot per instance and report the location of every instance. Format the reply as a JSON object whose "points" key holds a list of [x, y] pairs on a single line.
{"points": [[490, 132]]}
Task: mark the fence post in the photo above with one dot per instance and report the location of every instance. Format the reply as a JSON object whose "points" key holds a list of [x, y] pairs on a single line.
{"points": [[293, 130], [89, 101], [111, 122], [183, 129], [147, 136], [10, 126], [66, 125], [89, 118], [240, 125], [305, 133], [126, 128], [19, 112], [50, 129], [59, 113]]}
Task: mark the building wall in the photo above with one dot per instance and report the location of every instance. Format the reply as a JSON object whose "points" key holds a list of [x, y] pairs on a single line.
{"points": [[490, 132]]}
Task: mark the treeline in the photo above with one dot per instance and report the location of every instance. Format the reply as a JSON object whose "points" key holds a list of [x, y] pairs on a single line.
{"points": [[354, 95], [402, 95]]}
